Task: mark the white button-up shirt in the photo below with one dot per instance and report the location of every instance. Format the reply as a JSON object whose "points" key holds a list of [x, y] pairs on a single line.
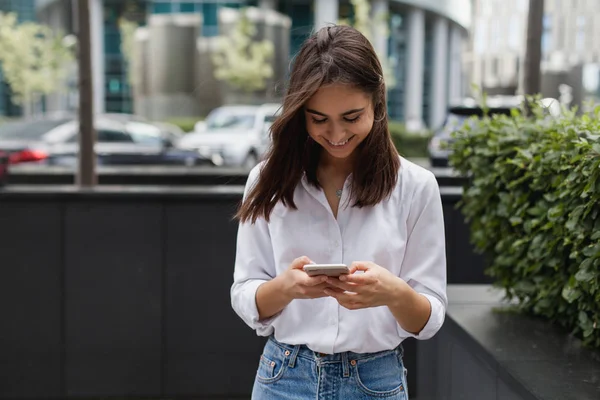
{"points": [[404, 233]]}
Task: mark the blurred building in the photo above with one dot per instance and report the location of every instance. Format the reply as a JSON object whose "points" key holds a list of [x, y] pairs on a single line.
{"points": [[570, 49], [25, 10], [164, 88], [425, 43]]}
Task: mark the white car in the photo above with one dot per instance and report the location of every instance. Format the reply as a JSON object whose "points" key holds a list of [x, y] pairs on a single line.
{"points": [[234, 136]]}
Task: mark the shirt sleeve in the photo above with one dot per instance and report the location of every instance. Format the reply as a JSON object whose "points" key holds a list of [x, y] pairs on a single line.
{"points": [[254, 265], [424, 265]]}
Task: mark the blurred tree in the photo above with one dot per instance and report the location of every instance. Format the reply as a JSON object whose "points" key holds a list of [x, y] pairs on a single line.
{"points": [[240, 60], [371, 27], [34, 59], [127, 29]]}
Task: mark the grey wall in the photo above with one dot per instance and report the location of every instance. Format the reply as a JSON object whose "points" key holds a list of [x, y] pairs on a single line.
{"points": [[208, 90], [171, 65]]}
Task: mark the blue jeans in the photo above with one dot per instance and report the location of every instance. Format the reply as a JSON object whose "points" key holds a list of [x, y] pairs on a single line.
{"points": [[296, 373]]}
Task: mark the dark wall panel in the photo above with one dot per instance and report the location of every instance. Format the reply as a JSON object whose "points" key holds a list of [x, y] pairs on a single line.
{"points": [[506, 393], [464, 265], [30, 299], [210, 349], [114, 273], [470, 379]]}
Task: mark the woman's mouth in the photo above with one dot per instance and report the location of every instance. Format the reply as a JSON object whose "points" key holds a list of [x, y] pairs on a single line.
{"points": [[339, 145]]}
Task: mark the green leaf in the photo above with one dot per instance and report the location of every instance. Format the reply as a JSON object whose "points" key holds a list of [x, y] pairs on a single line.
{"points": [[584, 275], [570, 294], [555, 212], [583, 318], [592, 250], [516, 221]]}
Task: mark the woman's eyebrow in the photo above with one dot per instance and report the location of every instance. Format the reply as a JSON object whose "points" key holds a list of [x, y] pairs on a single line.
{"points": [[342, 114]]}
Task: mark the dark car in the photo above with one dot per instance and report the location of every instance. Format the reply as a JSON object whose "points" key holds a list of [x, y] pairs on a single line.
{"points": [[3, 168], [456, 117], [120, 140]]}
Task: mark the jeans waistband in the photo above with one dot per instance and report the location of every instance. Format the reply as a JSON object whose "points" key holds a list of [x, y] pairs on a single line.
{"points": [[304, 351]]}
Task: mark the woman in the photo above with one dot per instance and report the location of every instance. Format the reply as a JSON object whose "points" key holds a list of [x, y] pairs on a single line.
{"points": [[333, 189]]}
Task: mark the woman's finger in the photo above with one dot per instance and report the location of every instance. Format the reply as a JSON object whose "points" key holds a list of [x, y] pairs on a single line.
{"points": [[350, 287], [318, 291], [359, 266], [360, 279], [341, 297], [313, 280]]}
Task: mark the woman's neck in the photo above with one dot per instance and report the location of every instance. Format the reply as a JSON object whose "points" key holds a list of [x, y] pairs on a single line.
{"points": [[340, 167]]}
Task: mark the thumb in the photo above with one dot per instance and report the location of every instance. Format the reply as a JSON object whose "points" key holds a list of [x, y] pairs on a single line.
{"points": [[300, 262]]}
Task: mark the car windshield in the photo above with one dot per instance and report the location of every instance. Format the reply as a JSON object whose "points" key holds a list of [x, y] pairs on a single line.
{"points": [[225, 118], [144, 133], [28, 130], [458, 115]]}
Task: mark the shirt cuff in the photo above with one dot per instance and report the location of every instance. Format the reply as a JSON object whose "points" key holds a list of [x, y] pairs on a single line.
{"points": [[248, 311], [433, 325]]}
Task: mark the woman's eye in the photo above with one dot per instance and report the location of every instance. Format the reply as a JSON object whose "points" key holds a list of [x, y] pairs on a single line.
{"points": [[352, 120], [319, 121]]}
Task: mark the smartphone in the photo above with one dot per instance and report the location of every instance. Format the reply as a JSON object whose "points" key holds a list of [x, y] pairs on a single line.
{"points": [[326, 269]]}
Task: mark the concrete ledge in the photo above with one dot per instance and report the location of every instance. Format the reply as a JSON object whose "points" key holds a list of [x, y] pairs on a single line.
{"points": [[163, 175], [482, 353]]}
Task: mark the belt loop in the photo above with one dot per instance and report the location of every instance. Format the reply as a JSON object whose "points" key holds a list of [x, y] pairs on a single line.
{"points": [[400, 350], [294, 355], [345, 365]]}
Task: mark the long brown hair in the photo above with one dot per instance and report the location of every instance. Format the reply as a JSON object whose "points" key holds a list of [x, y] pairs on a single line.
{"points": [[335, 54]]}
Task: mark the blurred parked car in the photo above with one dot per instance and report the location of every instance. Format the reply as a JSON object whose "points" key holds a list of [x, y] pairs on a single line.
{"points": [[120, 140], [456, 117], [3, 168], [458, 114], [235, 136]]}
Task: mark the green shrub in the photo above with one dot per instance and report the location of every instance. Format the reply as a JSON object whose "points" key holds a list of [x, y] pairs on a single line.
{"points": [[186, 124], [533, 205], [409, 144]]}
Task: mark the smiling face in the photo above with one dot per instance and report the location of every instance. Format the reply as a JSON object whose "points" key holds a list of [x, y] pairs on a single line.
{"points": [[339, 117]]}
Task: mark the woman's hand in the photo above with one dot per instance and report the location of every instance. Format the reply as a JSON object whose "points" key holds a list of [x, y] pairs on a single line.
{"points": [[297, 284], [375, 287]]}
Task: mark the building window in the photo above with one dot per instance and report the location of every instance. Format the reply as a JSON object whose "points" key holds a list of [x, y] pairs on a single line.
{"points": [[481, 36], [514, 33], [161, 8], [580, 35], [547, 35], [187, 8]]}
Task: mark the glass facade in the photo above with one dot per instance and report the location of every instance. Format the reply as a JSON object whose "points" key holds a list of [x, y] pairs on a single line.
{"points": [[397, 46], [302, 21], [208, 9], [427, 70], [25, 10], [397, 53], [118, 96]]}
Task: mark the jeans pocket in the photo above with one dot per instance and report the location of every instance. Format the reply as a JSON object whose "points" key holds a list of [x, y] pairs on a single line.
{"points": [[265, 368], [380, 376], [272, 364]]}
